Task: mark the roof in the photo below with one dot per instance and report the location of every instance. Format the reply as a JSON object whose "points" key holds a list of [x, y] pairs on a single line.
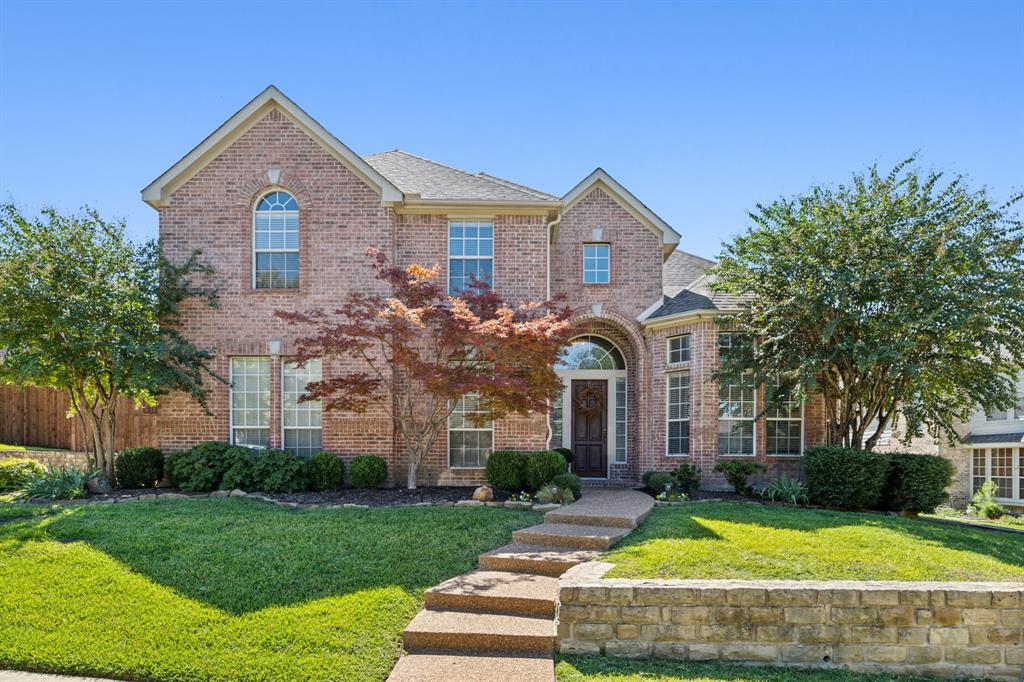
{"points": [[698, 296], [682, 269], [987, 438], [415, 175]]}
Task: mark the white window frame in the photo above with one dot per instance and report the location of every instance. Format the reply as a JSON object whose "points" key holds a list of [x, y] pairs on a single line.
{"points": [[1016, 466], [669, 350], [231, 398], [285, 363], [753, 419], [608, 271], [767, 438], [255, 250], [448, 248], [467, 427], [621, 425], [687, 419]]}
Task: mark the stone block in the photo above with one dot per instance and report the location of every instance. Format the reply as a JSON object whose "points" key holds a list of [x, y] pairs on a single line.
{"points": [[573, 613], [604, 614], [776, 633], [954, 636], [924, 617], [946, 616], [792, 597], [668, 633], [851, 615], [628, 649], [690, 614], [726, 633], [1013, 617], [968, 598], [672, 652], [981, 616], [1006, 599], [648, 595], [974, 654], [918, 655], [806, 653], [575, 646], [937, 598], [641, 614], [627, 631], [730, 615], [805, 615], [564, 630], [747, 596], [839, 597], [469, 503], [591, 594], [703, 652], [765, 615], [880, 598], [877, 653], [1015, 656], [758, 653], [912, 636], [1000, 636], [713, 597], [871, 634], [819, 634], [597, 632], [621, 594], [847, 653], [896, 615], [911, 597]]}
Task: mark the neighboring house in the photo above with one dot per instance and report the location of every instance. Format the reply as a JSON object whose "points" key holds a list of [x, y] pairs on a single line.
{"points": [[284, 211]]}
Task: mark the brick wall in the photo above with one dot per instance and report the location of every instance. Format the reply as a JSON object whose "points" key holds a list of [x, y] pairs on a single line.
{"points": [[940, 629]]}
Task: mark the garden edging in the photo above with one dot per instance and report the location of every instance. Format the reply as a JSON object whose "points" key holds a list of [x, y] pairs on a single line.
{"points": [[932, 628]]}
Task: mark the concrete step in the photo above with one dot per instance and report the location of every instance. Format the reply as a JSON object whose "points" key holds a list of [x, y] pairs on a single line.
{"points": [[466, 668], [458, 631], [614, 508], [570, 535], [535, 559], [496, 592]]}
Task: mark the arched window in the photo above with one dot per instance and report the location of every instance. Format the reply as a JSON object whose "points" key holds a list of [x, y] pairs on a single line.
{"points": [[590, 352], [276, 242]]}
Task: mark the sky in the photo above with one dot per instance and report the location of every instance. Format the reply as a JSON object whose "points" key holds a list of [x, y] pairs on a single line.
{"points": [[702, 110]]}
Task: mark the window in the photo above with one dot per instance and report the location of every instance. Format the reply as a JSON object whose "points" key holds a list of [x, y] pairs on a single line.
{"points": [[470, 254], [590, 352], [556, 421], [620, 420], [785, 426], [678, 349], [678, 413], [469, 441], [1002, 415], [735, 404], [301, 422], [1004, 466], [250, 402], [276, 242], [596, 263], [1001, 470], [979, 469]]}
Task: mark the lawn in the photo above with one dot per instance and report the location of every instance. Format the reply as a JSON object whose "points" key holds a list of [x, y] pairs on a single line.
{"points": [[598, 669], [749, 541], [4, 447], [228, 589]]}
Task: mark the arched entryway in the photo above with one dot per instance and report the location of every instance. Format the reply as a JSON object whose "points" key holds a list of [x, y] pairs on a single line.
{"points": [[590, 414]]}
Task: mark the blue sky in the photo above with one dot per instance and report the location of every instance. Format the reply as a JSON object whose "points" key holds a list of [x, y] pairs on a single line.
{"points": [[701, 109]]}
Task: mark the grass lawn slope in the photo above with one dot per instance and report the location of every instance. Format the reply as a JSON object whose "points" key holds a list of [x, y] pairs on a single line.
{"points": [[595, 669], [228, 589], [750, 541]]}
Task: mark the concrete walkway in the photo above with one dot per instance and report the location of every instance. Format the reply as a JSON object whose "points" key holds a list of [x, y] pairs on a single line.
{"points": [[18, 676], [500, 622]]}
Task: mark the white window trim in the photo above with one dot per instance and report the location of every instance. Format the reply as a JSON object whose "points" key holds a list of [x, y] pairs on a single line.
{"points": [[583, 256], [448, 443], [668, 351], [284, 362], [448, 248], [231, 401], [1016, 455], [615, 427], [255, 250], [688, 420], [803, 407]]}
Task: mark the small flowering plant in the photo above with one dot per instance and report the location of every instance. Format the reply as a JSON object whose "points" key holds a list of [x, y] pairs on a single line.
{"points": [[670, 494], [522, 496]]}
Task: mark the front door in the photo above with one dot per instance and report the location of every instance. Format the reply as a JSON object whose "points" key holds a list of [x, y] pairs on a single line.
{"points": [[590, 427]]}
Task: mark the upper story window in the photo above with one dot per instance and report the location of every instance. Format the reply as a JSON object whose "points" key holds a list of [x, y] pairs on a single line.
{"points": [[276, 242], [470, 254], [678, 349], [597, 263], [1004, 415], [590, 352]]}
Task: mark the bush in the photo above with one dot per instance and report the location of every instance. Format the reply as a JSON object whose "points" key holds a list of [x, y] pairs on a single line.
{"points": [[844, 477], [570, 481], [566, 453], [549, 493], [542, 466], [786, 489], [659, 481], [57, 483], [239, 469], [15, 472], [201, 468], [917, 483], [687, 478], [506, 470], [278, 471], [326, 471], [984, 503], [368, 471], [139, 467], [737, 471]]}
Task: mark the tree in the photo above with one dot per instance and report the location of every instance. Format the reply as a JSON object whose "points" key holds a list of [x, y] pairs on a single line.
{"points": [[85, 310], [413, 351], [896, 295]]}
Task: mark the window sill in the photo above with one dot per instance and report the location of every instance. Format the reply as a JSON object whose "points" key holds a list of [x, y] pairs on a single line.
{"points": [[274, 292], [596, 284], [451, 468], [672, 366], [682, 456]]}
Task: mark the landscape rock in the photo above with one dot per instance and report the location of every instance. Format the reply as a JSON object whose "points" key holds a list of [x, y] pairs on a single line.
{"points": [[238, 493], [220, 493], [483, 494], [145, 497], [469, 503], [99, 485], [172, 496], [513, 504]]}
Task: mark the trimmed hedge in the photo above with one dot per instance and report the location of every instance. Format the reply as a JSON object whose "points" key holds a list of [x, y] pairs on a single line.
{"points": [[566, 453], [658, 481], [917, 483], [506, 470], [368, 471], [239, 470], [279, 471], [15, 472], [687, 478], [139, 467], [326, 471], [570, 481], [737, 472], [844, 477], [542, 466], [201, 468]]}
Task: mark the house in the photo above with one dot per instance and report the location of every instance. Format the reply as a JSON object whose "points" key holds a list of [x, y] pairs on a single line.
{"points": [[284, 211]]}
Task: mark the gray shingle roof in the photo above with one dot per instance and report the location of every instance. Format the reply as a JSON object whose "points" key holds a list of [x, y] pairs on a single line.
{"points": [[699, 296], [981, 438], [681, 269], [431, 180]]}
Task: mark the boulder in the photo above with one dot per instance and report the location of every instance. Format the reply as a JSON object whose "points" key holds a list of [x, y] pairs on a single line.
{"points": [[238, 493], [483, 494], [219, 493], [469, 503], [99, 485]]}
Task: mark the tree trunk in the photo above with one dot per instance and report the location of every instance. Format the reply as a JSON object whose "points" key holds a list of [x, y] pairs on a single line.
{"points": [[410, 480]]}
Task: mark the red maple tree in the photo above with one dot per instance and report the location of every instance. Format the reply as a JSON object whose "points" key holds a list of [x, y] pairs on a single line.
{"points": [[415, 350]]}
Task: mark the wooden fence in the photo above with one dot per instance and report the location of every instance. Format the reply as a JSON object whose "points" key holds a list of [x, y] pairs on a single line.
{"points": [[39, 417]]}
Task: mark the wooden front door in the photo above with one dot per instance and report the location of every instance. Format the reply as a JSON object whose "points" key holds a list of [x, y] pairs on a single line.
{"points": [[590, 427]]}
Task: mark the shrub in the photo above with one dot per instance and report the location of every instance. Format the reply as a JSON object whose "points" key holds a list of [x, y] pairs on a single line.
{"points": [[786, 489], [278, 471], [844, 477], [566, 453], [737, 471], [659, 481], [506, 470], [570, 481], [326, 471], [687, 478], [984, 503], [542, 466], [57, 483], [15, 472], [201, 468], [239, 469], [549, 493], [368, 471], [917, 483], [139, 467]]}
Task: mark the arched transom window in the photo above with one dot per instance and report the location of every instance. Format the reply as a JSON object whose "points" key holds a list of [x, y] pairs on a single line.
{"points": [[276, 242], [590, 352]]}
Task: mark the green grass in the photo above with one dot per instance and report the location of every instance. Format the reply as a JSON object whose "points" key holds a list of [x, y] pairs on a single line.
{"points": [[16, 511], [598, 669], [4, 447], [749, 541], [228, 589]]}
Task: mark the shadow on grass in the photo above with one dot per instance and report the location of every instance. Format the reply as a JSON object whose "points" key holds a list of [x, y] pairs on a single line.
{"points": [[242, 556]]}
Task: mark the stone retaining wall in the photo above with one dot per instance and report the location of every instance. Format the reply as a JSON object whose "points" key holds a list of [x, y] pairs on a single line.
{"points": [[941, 629], [55, 458]]}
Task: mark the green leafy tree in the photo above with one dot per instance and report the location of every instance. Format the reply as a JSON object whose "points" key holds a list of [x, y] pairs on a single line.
{"points": [[896, 295], [85, 310]]}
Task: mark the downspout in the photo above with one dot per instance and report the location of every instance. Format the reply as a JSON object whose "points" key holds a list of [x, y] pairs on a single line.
{"points": [[547, 296]]}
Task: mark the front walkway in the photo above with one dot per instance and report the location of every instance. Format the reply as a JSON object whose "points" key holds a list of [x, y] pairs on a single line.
{"points": [[500, 621]]}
